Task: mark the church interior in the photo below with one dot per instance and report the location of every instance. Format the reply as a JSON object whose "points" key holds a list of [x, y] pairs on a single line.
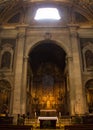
{"points": [[46, 63]]}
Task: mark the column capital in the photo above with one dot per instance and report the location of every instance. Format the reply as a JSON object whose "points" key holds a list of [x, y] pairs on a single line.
{"points": [[21, 35], [21, 31], [21, 27], [73, 29], [25, 58], [69, 58], [73, 26]]}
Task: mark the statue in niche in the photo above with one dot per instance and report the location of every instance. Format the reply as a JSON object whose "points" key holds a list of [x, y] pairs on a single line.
{"points": [[89, 57], [6, 60]]}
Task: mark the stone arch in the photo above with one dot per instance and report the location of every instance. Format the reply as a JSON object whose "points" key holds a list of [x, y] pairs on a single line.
{"points": [[54, 74], [5, 93], [57, 42], [89, 94]]}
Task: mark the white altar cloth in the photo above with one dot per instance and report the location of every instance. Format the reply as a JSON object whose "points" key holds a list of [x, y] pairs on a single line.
{"points": [[47, 118]]}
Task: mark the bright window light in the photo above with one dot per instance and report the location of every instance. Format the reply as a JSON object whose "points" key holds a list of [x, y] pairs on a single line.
{"points": [[47, 13]]}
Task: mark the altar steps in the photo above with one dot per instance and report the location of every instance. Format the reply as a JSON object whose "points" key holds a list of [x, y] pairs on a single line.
{"points": [[64, 121], [31, 122], [60, 124]]}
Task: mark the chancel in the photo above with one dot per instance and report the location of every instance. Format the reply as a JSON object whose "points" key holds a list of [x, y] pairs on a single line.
{"points": [[46, 62]]}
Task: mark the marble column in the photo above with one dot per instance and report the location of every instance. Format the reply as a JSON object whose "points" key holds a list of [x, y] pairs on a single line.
{"points": [[79, 95], [18, 71], [24, 85], [71, 88]]}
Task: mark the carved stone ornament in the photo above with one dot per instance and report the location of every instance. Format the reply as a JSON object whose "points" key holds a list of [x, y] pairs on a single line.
{"points": [[47, 36]]}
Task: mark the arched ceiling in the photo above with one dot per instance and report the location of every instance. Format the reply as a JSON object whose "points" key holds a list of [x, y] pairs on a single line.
{"points": [[72, 11]]}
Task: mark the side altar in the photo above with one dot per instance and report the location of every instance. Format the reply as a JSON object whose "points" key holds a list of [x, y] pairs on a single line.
{"points": [[48, 118]]}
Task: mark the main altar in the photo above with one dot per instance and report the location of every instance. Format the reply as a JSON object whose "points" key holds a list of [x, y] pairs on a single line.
{"points": [[48, 118]]}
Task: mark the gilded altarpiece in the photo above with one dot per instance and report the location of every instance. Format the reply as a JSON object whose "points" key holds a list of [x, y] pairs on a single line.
{"points": [[49, 89]]}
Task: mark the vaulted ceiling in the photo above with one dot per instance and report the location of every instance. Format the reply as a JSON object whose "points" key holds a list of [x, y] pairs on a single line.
{"points": [[23, 11]]}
